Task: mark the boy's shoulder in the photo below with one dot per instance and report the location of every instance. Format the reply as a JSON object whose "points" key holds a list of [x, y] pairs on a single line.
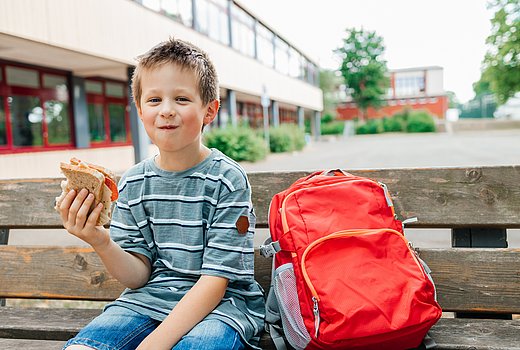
{"points": [[137, 171], [224, 167]]}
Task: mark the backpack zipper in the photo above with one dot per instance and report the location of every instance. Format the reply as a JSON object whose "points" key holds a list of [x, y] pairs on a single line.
{"points": [[346, 233], [285, 226]]}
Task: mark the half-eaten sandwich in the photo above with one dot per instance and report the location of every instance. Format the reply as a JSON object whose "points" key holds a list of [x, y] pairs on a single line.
{"points": [[96, 179]]}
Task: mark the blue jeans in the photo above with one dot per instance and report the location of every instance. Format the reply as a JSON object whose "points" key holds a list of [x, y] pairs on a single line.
{"points": [[119, 328]]}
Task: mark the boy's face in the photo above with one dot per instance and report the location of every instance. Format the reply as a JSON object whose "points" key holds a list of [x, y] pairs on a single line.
{"points": [[172, 110]]}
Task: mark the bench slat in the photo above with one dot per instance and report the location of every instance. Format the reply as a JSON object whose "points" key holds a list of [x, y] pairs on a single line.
{"points": [[474, 334], [479, 280], [439, 197], [17, 344], [55, 273], [466, 279], [42, 323], [448, 333]]}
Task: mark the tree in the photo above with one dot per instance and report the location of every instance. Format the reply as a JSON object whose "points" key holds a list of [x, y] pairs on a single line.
{"points": [[501, 64], [363, 68], [453, 100], [329, 84], [482, 87]]}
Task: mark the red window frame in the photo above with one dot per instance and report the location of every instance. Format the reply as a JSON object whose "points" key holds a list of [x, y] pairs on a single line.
{"points": [[43, 94], [105, 101]]}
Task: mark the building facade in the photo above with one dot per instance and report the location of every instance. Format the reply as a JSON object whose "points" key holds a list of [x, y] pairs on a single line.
{"points": [[414, 88], [65, 67]]}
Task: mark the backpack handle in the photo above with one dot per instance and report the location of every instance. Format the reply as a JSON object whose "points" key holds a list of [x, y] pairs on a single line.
{"points": [[335, 172]]}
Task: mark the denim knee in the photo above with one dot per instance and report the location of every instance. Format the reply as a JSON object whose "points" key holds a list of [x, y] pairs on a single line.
{"points": [[117, 328], [211, 335]]}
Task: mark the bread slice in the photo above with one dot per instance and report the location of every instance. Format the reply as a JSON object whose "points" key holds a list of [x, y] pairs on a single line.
{"points": [[79, 177]]}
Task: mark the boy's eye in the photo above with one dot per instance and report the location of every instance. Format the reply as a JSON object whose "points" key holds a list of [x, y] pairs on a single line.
{"points": [[182, 99], [154, 100]]}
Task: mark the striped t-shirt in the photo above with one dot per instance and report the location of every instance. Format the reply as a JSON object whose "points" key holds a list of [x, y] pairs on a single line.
{"points": [[186, 224]]}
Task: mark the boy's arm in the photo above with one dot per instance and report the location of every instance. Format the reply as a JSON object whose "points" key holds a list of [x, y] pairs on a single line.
{"points": [[201, 299], [132, 270]]}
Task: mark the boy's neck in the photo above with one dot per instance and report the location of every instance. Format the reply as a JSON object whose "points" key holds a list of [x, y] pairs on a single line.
{"points": [[182, 160]]}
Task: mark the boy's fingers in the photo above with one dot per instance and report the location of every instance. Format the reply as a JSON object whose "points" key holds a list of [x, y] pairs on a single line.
{"points": [[65, 205], [94, 216], [76, 205], [83, 210]]}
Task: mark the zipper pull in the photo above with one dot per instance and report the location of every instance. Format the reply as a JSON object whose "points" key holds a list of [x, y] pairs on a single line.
{"points": [[408, 221], [316, 312], [387, 194]]}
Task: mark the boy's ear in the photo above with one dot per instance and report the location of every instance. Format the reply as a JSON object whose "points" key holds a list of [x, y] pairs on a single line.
{"points": [[139, 112], [211, 111]]}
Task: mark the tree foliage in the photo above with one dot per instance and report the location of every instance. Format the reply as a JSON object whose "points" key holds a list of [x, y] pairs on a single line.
{"points": [[363, 67], [502, 61], [329, 84]]}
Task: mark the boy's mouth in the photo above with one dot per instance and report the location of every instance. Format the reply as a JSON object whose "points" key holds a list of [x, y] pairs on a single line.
{"points": [[168, 127]]}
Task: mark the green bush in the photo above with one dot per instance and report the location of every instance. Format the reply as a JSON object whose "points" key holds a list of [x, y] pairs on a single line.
{"points": [[420, 121], [393, 124], [333, 128], [286, 138], [237, 143], [373, 126], [327, 118]]}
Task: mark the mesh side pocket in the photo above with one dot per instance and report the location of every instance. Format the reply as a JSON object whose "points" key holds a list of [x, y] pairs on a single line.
{"points": [[287, 295]]}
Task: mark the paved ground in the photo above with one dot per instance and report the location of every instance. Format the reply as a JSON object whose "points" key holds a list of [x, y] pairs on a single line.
{"points": [[375, 151]]}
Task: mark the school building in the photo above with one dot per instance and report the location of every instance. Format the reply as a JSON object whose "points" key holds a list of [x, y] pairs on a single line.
{"points": [[65, 67], [413, 88]]}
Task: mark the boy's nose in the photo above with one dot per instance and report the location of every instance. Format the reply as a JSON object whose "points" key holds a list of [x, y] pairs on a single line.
{"points": [[167, 109]]}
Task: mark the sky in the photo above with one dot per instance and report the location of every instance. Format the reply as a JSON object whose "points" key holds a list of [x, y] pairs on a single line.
{"points": [[416, 33]]}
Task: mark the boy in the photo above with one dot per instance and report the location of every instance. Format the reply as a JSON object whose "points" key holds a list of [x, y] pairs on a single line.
{"points": [[182, 230]]}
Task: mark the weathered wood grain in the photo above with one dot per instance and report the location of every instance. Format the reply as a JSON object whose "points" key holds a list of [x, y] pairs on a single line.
{"points": [[43, 323], [17, 344], [476, 279], [439, 197], [55, 273], [471, 334], [448, 333], [480, 280]]}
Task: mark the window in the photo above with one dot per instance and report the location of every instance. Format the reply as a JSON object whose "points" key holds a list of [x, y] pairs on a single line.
{"points": [[3, 123], [213, 19], [94, 87], [295, 70], [243, 31], [116, 114], [107, 116], [27, 120], [58, 125], [281, 52], [56, 110], [178, 10], [34, 108], [22, 77], [96, 122], [409, 85], [264, 39]]}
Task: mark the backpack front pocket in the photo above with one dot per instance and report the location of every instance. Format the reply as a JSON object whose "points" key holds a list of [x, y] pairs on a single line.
{"points": [[364, 283]]}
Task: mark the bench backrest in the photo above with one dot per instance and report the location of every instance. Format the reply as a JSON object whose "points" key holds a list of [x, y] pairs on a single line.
{"points": [[474, 279]]}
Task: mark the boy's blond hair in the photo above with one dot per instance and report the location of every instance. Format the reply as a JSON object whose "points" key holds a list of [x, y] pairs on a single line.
{"points": [[187, 56]]}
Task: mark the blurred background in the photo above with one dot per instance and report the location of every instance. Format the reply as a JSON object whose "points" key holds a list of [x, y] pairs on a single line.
{"points": [[303, 85]]}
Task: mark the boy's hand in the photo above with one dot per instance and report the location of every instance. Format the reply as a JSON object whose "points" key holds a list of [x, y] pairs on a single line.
{"points": [[76, 220], [153, 342]]}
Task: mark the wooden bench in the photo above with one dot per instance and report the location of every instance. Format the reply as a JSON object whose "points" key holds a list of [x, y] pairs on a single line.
{"points": [[478, 204]]}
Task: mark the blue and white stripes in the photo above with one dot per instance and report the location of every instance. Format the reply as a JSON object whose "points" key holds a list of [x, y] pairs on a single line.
{"points": [[186, 224]]}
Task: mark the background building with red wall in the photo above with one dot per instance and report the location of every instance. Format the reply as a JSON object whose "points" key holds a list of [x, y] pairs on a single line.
{"points": [[412, 88]]}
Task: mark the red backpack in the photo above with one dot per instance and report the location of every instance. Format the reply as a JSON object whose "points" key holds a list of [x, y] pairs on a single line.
{"points": [[344, 275]]}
